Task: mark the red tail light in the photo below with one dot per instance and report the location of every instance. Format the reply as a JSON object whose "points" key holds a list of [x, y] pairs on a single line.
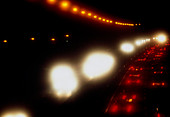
{"points": [[114, 108], [138, 81], [129, 108], [163, 84], [134, 96], [124, 97], [158, 115]]}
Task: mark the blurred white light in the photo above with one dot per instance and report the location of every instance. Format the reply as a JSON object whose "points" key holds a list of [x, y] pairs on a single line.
{"points": [[148, 40], [98, 64], [127, 47], [64, 81], [161, 38], [138, 42], [15, 114]]}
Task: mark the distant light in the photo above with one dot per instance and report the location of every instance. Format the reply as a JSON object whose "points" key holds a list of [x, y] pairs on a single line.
{"points": [[32, 39], [130, 100], [75, 9], [138, 42], [104, 20], [15, 114], [83, 12], [127, 47], [100, 18], [107, 21], [51, 1], [111, 21], [64, 5], [161, 38], [67, 35], [5, 41], [95, 16], [64, 81], [53, 39], [89, 14], [97, 65]]}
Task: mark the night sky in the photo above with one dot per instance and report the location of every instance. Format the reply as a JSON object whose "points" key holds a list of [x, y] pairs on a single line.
{"points": [[29, 63]]}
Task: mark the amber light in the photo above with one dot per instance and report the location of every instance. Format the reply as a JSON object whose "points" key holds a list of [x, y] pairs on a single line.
{"points": [[83, 12], [5, 41], [75, 9], [130, 100], [95, 16], [89, 14], [100, 18], [53, 39], [64, 5], [32, 39], [67, 35], [51, 1]]}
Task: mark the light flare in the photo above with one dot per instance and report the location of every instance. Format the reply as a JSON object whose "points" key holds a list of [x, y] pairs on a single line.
{"points": [[97, 65]]}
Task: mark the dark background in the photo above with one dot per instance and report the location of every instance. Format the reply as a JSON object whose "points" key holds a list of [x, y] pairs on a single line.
{"points": [[25, 64]]}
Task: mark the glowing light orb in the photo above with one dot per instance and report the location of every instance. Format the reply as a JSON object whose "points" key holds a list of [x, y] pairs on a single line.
{"points": [[15, 114], [127, 47], [97, 64], [63, 80], [138, 42], [161, 38], [51, 1], [64, 5]]}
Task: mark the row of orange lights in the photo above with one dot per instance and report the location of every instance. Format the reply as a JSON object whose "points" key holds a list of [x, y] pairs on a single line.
{"points": [[66, 5], [52, 39]]}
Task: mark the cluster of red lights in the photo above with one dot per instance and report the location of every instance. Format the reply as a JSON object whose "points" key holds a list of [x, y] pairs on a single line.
{"points": [[133, 79], [75, 9], [116, 109]]}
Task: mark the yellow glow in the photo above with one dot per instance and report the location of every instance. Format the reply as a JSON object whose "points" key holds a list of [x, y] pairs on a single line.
{"points": [[75, 9], [63, 80], [130, 100], [107, 21], [83, 12], [15, 114], [161, 38], [100, 18], [127, 47], [89, 14], [51, 1], [5, 41], [97, 65], [111, 21], [104, 20], [67, 35], [95, 16], [53, 39], [32, 39], [64, 4]]}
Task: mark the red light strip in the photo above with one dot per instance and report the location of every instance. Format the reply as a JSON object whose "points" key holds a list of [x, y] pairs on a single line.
{"points": [[75, 9]]}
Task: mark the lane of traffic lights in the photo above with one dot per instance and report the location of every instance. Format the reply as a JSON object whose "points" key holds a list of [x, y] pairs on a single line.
{"points": [[79, 10], [146, 72]]}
